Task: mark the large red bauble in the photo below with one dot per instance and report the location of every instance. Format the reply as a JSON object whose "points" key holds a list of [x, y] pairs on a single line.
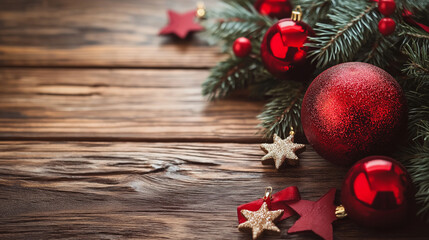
{"points": [[242, 47], [386, 7], [283, 51], [378, 192], [274, 8], [353, 110], [386, 26]]}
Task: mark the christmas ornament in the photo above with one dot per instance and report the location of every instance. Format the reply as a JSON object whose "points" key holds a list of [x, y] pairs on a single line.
{"points": [[386, 26], [279, 200], [386, 7], [282, 51], [353, 110], [274, 8], [242, 47], [378, 192], [261, 220], [181, 24], [316, 216], [281, 151]]}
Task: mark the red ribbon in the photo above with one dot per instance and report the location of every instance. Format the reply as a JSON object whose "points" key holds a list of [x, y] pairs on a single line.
{"points": [[407, 15], [279, 200]]}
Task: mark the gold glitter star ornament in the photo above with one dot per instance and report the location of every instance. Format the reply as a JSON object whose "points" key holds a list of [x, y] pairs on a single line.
{"points": [[261, 220], [282, 151]]}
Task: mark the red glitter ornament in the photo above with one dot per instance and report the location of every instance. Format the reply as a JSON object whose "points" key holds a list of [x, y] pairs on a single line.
{"points": [[242, 47], [378, 192], [386, 26], [353, 110], [274, 8], [283, 51], [386, 7]]}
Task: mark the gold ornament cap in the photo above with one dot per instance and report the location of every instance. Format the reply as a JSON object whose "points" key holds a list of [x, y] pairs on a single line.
{"points": [[340, 212], [297, 14], [201, 10]]}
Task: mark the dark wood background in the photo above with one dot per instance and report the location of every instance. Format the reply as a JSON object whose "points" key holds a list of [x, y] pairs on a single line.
{"points": [[104, 133]]}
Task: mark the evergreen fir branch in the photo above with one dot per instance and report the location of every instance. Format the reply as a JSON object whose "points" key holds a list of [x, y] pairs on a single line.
{"points": [[350, 27], [315, 10], [233, 74], [284, 110], [416, 87], [418, 110], [417, 66], [413, 33], [415, 5], [233, 21], [416, 160], [381, 51]]}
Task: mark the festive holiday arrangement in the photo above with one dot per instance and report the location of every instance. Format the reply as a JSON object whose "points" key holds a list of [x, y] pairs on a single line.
{"points": [[352, 76], [377, 193]]}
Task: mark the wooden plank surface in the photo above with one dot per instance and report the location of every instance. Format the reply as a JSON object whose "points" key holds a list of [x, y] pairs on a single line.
{"points": [[104, 190], [97, 33], [131, 153], [119, 104]]}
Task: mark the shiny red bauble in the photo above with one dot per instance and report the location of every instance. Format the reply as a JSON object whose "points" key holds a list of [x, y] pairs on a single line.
{"points": [[386, 26], [242, 47], [353, 110], [378, 192], [274, 8], [386, 7], [283, 51]]}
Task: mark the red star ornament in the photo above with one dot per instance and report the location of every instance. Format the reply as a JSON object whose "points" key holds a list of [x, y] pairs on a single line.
{"points": [[316, 216], [181, 24]]}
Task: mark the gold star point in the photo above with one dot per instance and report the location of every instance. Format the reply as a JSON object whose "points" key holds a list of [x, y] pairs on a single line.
{"points": [[260, 220], [281, 150]]}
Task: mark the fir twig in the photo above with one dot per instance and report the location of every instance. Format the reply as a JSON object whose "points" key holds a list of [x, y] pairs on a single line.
{"points": [[284, 110], [339, 41], [233, 21], [233, 74], [316, 10]]}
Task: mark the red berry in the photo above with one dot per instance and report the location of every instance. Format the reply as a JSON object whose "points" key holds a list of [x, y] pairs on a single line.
{"points": [[386, 7], [386, 26], [242, 47]]}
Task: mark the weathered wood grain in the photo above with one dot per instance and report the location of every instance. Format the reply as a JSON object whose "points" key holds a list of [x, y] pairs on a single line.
{"points": [[102, 33], [102, 190], [119, 104]]}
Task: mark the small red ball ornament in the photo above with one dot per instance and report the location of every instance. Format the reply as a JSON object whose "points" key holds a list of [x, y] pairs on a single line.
{"points": [[386, 26], [378, 192], [283, 51], [242, 47], [274, 8], [353, 110], [386, 7]]}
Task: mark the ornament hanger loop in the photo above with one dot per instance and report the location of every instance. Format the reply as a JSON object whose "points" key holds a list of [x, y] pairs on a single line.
{"points": [[297, 14], [268, 191]]}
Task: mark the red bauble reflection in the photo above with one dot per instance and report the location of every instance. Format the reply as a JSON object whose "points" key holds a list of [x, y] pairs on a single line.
{"points": [[274, 8], [283, 51], [353, 110], [378, 192], [242, 47]]}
